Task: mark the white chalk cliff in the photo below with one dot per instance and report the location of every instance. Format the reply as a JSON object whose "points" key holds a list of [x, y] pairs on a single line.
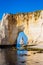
{"points": [[30, 23]]}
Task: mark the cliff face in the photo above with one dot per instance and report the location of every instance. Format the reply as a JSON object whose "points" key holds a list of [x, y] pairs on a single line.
{"points": [[30, 23]]}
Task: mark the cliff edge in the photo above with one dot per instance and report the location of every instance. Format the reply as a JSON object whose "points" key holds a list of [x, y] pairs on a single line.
{"points": [[30, 23]]}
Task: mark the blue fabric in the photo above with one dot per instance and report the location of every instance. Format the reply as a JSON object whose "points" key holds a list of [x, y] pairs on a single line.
{"points": [[20, 36]]}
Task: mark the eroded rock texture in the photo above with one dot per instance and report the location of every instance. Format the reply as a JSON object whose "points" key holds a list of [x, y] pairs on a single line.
{"points": [[31, 23]]}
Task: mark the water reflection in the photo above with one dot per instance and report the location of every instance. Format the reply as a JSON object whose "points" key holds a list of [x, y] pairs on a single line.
{"points": [[12, 57], [21, 57]]}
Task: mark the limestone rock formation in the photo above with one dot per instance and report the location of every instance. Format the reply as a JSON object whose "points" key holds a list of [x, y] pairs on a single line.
{"points": [[30, 23]]}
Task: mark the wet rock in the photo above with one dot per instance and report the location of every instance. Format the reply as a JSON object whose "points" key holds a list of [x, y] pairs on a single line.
{"points": [[34, 53], [40, 52], [37, 62], [23, 61]]}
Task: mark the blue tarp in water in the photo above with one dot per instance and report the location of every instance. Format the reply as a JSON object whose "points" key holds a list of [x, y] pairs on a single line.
{"points": [[21, 36]]}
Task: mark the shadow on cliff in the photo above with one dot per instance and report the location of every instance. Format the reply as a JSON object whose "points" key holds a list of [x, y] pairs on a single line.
{"points": [[5, 44]]}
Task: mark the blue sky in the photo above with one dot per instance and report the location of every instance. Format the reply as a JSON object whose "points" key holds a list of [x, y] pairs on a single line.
{"points": [[17, 6]]}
